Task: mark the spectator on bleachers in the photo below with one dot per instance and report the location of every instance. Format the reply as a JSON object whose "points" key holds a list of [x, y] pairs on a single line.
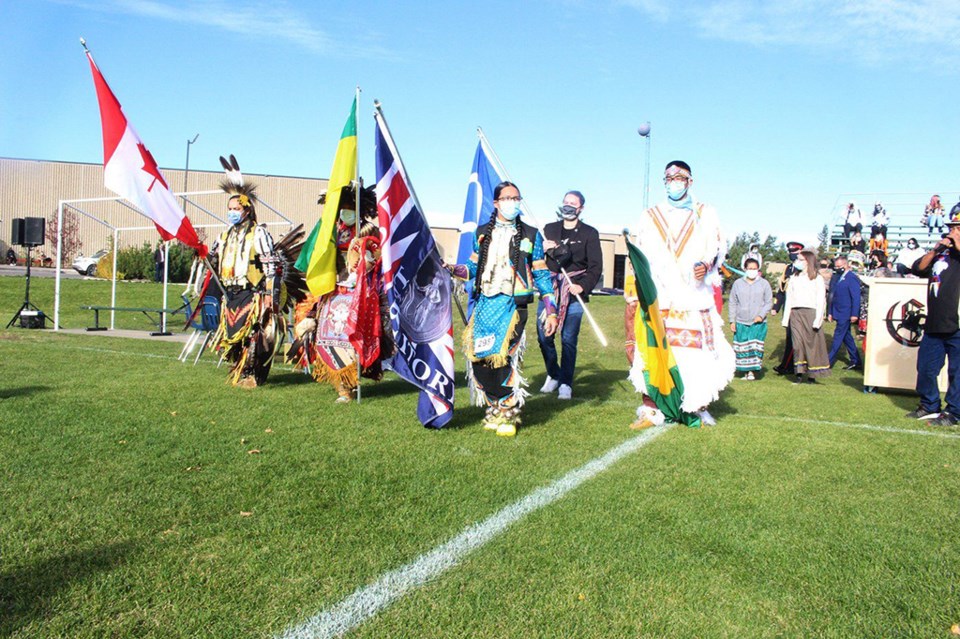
{"points": [[878, 265], [880, 220], [857, 263], [826, 271], [933, 215], [879, 243], [857, 243], [908, 256], [852, 220], [752, 254]]}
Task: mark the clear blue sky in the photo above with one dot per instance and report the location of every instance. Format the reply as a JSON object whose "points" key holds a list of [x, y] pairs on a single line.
{"points": [[778, 106]]}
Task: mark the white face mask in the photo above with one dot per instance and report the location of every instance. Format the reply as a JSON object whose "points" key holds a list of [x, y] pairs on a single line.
{"points": [[348, 217], [752, 273], [800, 264], [509, 209]]}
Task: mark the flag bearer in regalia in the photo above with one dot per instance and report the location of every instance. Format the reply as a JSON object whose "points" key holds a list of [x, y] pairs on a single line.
{"points": [[345, 334], [258, 280], [682, 244], [509, 267]]}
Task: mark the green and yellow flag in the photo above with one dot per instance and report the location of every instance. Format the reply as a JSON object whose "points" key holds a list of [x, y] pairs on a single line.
{"points": [[318, 259], [660, 372]]}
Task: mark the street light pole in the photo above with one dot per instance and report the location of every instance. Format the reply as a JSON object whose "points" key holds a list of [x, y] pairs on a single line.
{"points": [[644, 131], [166, 246], [186, 170]]}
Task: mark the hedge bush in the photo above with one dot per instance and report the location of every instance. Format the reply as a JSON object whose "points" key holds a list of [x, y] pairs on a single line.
{"points": [[136, 263]]}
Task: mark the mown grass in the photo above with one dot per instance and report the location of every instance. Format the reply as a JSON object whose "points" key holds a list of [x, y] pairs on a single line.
{"points": [[91, 292], [133, 506]]}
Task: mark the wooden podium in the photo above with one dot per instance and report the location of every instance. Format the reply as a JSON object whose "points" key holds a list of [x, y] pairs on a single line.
{"points": [[890, 353]]}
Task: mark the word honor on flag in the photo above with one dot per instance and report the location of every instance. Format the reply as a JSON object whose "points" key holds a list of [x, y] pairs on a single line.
{"points": [[130, 171], [318, 259], [419, 289]]}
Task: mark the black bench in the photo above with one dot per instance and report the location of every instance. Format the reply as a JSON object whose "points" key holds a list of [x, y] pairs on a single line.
{"points": [[155, 315]]}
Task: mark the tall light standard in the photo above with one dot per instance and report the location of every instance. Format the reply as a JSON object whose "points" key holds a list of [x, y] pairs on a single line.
{"points": [[644, 131], [186, 170], [166, 245]]}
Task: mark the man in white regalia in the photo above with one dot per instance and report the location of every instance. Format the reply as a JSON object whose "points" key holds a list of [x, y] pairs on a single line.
{"points": [[681, 239]]}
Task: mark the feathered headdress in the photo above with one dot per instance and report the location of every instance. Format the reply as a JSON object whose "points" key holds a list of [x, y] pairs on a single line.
{"points": [[368, 200], [235, 185]]}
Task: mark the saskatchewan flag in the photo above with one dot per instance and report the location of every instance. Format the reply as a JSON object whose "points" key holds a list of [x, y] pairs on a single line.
{"points": [[318, 259], [660, 372]]}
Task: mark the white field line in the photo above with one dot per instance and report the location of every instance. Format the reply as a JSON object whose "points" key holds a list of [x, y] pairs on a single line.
{"points": [[884, 429], [367, 601]]}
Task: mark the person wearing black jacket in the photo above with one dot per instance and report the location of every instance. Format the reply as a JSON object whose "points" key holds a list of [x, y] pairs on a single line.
{"points": [[575, 247], [941, 334]]}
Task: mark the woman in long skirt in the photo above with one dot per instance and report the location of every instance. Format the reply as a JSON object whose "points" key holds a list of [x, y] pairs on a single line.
{"points": [[805, 310]]}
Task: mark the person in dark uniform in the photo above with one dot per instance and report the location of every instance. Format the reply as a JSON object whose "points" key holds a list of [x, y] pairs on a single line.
{"points": [[779, 299]]}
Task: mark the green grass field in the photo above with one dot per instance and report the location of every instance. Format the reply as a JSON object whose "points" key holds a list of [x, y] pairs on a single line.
{"points": [[146, 498]]}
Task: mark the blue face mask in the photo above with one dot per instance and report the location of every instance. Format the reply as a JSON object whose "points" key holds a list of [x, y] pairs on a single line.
{"points": [[509, 209], [676, 190], [234, 217]]}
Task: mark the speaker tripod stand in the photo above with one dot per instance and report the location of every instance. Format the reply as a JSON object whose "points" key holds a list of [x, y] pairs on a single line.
{"points": [[27, 305]]}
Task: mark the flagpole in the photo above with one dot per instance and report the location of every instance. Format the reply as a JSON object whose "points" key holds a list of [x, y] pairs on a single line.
{"points": [[536, 222], [378, 114], [166, 281], [356, 172], [359, 212]]}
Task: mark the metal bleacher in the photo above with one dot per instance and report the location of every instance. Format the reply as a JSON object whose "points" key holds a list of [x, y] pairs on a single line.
{"points": [[904, 211]]}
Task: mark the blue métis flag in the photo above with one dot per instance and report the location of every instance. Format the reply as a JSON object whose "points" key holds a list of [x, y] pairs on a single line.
{"points": [[419, 289], [484, 178]]}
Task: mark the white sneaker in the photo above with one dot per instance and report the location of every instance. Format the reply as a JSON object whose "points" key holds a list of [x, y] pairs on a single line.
{"points": [[550, 385], [565, 392], [706, 418]]}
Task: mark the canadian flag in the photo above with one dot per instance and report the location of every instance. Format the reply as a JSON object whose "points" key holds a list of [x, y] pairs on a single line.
{"points": [[130, 171]]}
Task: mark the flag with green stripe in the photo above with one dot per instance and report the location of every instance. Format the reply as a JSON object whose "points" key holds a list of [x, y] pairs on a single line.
{"points": [[660, 372], [318, 259]]}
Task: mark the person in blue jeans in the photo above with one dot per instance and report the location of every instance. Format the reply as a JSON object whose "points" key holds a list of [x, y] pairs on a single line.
{"points": [[941, 334], [843, 308], [574, 247]]}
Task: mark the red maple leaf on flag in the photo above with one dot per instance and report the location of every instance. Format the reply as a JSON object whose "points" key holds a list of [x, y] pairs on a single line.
{"points": [[150, 166]]}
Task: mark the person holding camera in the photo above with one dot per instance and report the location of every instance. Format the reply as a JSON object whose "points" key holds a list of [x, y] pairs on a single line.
{"points": [[573, 246], [941, 335]]}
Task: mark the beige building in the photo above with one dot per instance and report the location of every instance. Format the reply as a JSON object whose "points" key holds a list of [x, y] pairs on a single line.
{"points": [[35, 188]]}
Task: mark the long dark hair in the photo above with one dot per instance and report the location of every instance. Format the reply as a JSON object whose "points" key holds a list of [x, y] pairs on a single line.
{"points": [[500, 187], [485, 236]]}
